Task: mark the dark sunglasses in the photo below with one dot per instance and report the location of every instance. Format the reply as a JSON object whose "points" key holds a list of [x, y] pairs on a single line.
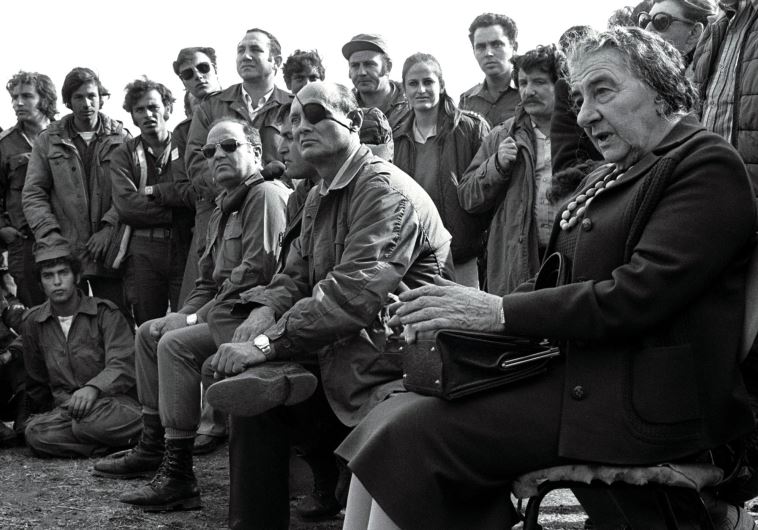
{"points": [[189, 73], [229, 145], [661, 21], [316, 112]]}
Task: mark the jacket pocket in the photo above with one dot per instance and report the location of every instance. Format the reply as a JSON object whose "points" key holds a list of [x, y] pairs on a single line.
{"points": [[664, 386], [17, 166]]}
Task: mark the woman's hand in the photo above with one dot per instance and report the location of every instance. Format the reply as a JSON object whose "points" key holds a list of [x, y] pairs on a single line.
{"points": [[446, 304]]}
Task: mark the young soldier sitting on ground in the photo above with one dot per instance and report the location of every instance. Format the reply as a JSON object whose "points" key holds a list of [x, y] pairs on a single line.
{"points": [[79, 357]]}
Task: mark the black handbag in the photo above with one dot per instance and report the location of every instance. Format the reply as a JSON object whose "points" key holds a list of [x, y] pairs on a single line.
{"points": [[460, 363]]}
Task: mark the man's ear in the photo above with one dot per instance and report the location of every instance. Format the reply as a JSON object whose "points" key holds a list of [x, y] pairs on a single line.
{"points": [[356, 119], [695, 33], [278, 61]]}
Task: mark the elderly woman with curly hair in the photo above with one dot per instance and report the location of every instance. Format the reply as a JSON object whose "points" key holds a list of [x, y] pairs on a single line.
{"points": [[658, 241]]}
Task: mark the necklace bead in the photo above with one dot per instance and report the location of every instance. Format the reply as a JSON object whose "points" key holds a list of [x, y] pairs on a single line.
{"points": [[576, 209]]}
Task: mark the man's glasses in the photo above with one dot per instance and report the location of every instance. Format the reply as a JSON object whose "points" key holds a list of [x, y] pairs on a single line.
{"points": [[189, 73], [229, 145], [661, 21], [316, 112]]}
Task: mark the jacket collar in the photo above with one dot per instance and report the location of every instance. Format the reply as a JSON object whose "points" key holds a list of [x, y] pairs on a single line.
{"points": [[482, 87], [106, 126], [87, 305], [679, 134], [397, 97], [731, 9], [445, 124], [358, 159]]}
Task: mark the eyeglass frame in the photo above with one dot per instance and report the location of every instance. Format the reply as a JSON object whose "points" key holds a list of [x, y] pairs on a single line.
{"points": [[661, 14], [237, 144], [195, 70]]}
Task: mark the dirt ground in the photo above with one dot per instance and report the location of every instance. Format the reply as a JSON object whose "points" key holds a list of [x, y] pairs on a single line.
{"points": [[57, 493]]}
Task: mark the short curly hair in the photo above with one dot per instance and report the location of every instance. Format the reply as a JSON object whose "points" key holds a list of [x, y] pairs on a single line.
{"points": [[486, 20], [44, 87], [649, 58], [139, 87], [81, 76], [299, 61], [548, 59]]}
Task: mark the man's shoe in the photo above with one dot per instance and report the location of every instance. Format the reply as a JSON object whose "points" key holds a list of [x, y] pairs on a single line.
{"points": [[174, 486], [262, 388], [317, 506], [735, 518], [322, 503], [140, 461], [206, 444]]}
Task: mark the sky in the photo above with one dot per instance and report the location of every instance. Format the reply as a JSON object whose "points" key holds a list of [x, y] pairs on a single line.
{"points": [[124, 40]]}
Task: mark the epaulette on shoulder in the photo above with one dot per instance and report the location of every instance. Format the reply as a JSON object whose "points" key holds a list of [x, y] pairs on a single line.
{"points": [[107, 303], [6, 132], [29, 312], [472, 114]]}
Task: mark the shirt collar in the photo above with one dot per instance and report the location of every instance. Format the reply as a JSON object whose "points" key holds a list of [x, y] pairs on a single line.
{"points": [[258, 104], [343, 176]]}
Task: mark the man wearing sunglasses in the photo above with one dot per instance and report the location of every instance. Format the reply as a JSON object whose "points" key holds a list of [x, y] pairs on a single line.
{"points": [[255, 100], [680, 22], [196, 67], [241, 252], [367, 228]]}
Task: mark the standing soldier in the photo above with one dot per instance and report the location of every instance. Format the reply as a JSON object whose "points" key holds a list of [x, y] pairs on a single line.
{"points": [[67, 193], [33, 99]]}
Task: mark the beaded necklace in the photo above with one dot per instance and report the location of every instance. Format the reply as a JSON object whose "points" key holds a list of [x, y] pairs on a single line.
{"points": [[576, 208]]}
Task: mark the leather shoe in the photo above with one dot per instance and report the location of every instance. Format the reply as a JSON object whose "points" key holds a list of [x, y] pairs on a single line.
{"points": [[262, 388], [206, 444], [318, 505]]}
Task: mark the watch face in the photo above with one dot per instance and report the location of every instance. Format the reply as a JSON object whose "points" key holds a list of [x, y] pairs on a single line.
{"points": [[261, 342]]}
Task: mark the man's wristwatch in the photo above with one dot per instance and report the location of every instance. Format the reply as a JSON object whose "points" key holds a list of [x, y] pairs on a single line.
{"points": [[192, 319], [148, 190], [263, 343]]}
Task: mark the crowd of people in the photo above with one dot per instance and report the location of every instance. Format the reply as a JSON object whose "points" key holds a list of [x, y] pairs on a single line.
{"points": [[241, 274]]}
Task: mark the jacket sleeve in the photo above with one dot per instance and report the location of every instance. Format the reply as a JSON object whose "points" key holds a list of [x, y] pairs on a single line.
{"points": [[118, 375], [35, 197], [378, 250], [703, 224], [264, 218], [132, 207], [205, 286], [39, 398], [4, 183], [483, 185], [178, 192], [195, 164]]}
